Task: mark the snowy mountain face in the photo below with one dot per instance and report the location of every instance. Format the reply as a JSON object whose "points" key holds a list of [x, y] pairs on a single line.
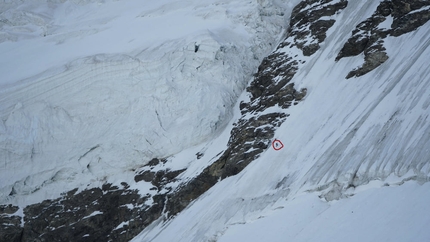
{"points": [[129, 120]]}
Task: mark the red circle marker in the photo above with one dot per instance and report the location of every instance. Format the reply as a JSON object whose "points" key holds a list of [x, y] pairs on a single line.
{"points": [[277, 144]]}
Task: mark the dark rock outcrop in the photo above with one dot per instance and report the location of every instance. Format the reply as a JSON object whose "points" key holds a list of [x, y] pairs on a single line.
{"points": [[308, 25], [11, 229], [107, 213], [159, 178], [368, 36]]}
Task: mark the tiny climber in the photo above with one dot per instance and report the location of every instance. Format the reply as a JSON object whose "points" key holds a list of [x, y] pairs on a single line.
{"points": [[277, 144]]}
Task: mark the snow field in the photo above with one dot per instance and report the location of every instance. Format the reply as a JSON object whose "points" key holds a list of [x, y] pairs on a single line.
{"points": [[378, 214]]}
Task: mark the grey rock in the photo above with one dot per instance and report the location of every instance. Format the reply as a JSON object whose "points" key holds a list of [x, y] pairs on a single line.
{"points": [[11, 229], [368, 37]]}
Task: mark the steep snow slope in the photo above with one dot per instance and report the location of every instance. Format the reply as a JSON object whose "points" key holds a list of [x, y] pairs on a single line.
{"points": [[355, 150], [90, 89], [377, 214], [354, 139]]}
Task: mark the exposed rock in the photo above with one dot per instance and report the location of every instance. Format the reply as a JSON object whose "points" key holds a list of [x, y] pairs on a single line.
{"points": [[308, 25], [155, 162], [160, 178], [147, 176], [374, 56], [368, 36], [11, 229], [109, 213], [8, 209], [199, 155]]}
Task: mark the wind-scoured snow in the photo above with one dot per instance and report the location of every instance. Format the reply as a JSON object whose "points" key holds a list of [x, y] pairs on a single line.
{"points": [[94, 88]]}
